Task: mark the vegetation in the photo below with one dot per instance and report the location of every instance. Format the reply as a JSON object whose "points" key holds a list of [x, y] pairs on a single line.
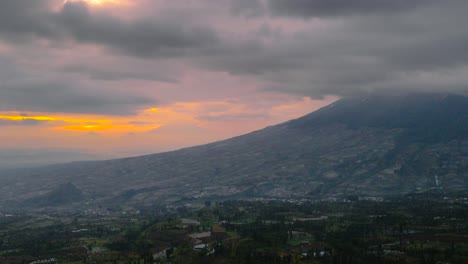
{"points": [[413, 229]]}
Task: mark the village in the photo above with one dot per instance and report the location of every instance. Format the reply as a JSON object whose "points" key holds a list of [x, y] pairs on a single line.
{"points": [[419, 230]]}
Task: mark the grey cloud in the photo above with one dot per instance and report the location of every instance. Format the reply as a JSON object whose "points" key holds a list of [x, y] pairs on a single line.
{"points": [[249, 8], [21, 90], [57, 96], [348, 47], [141, 37], [234, 117], [360, 54], [20, 19], [321, 8], [117, 75], [24, 122]]}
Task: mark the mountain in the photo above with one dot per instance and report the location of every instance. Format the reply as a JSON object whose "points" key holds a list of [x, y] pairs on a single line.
{"points": [[367, 146]]}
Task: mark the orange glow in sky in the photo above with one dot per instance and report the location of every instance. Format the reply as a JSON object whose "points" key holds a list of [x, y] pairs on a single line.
{"points": [[197, 114], [112, 127], [24, 118], [76, 119], [151, 130], [85, 123]]}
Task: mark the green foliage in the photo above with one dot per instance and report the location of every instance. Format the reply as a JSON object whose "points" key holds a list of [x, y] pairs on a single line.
{"points": [[413, 229]]}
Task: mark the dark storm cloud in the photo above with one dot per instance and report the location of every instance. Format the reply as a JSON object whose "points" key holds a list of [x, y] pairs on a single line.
{"points": [[141, 37], [320, 8]]}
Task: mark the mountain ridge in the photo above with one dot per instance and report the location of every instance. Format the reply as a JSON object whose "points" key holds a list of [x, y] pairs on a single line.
{"points": [[375, 146]]}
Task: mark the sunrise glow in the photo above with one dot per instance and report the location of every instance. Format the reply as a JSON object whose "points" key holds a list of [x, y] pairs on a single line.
{"points": [[111, 128], [24, 118]]}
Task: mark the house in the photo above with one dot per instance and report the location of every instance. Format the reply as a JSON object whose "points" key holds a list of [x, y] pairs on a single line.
{"points": [[204, 247], [45, 261], [201, 247], [199, 238], [312, 249], [218, 232], [200, 235], [189, 224]]}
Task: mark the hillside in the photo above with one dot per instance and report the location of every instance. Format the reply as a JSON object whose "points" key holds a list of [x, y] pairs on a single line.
{"points": [[372, 146]]}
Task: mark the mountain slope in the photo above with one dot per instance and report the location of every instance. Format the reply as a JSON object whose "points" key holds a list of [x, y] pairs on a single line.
{"points": [[65, 194], [358, 146]]}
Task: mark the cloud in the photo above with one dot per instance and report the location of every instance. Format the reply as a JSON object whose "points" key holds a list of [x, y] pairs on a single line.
{"points": [[20, 19], [21, 90], [354, 47], [143, 37], [249, 8], [234, 117], [116, 74], [24, 122], [64, 97], [299, 47], [321, 8], [74, 21]]}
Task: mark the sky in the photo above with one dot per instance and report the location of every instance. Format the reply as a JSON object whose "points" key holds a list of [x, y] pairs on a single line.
{"points": [[101, 79]]}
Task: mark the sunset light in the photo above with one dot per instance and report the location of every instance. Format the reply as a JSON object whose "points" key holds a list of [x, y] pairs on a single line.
{"points": [[111, 128], [24, 118]]}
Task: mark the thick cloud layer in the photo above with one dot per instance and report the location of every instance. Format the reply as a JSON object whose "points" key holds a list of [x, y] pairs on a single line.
{"points": [[356, 47], [298, 47]]}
